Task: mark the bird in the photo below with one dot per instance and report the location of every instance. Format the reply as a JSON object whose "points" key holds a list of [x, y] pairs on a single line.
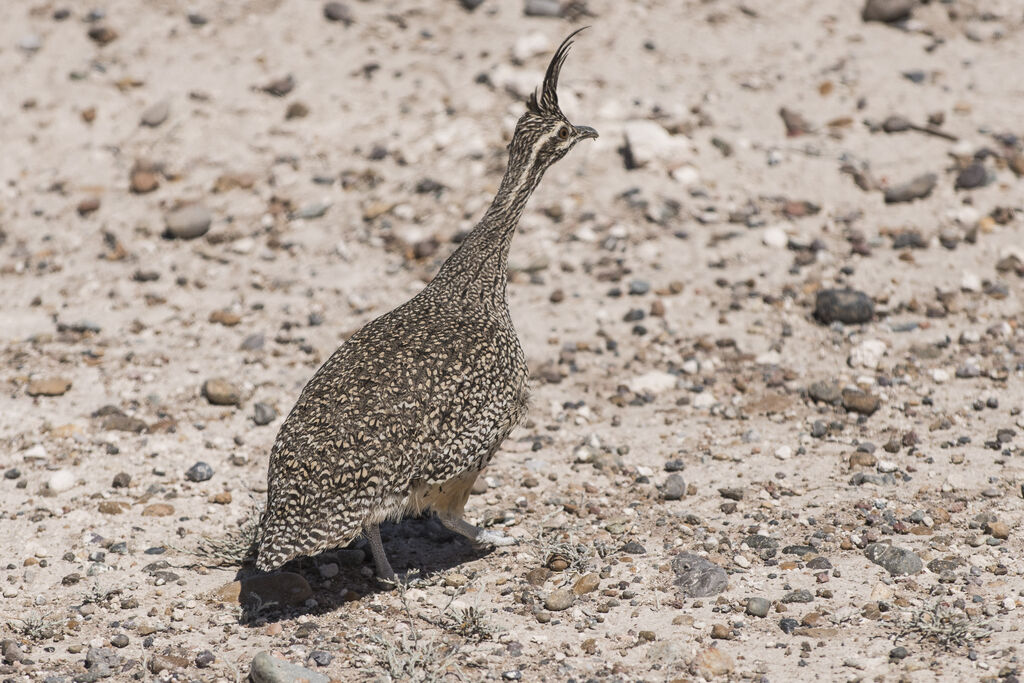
{"points": [[405, 414]]}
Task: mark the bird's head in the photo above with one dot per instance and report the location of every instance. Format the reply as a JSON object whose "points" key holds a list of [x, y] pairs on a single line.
{"points": [[543, 134]]}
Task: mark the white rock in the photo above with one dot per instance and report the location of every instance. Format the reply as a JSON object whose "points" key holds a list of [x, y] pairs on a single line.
{"points": [[518, 82], [61, 480], [940, 376], [530, 45], [775, 237], [686, 175], [37, 452], [970, 282], [970, 337], [783, 452], [741, 561], [967, 216], [867, 354], [881, 592], [704, 400], [885, 466], [647, 141], [654, 382], [769, 358], [691, 367]]}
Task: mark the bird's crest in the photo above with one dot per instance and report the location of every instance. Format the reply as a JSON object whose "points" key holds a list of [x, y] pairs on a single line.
{"points": [[547, 101]]}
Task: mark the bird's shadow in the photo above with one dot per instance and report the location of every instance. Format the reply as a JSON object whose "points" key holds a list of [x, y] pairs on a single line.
{"points": [[419, 546]]}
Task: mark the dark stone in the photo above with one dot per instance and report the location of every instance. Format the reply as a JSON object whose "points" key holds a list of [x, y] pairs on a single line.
{"points": [[697, 577], [887, 11], [971, 177], [199, 472], [204, 659], [634, 548], [847, 306], [674, 487], [788, 625], [338, 11], [321, 657], [894, 559]]}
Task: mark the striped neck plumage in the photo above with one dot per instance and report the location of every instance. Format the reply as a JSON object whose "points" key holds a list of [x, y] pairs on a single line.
{"points": [[477, 271]]}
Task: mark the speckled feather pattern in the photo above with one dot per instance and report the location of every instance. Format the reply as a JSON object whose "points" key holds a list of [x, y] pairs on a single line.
{"points": [[423, 395]]}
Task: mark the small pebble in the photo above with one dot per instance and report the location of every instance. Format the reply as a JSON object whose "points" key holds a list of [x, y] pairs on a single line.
{"points": [[199, 472], [188, 222], [758, 607], [263, 413]]}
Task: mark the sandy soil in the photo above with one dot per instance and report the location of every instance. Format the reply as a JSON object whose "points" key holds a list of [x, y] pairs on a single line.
{"points": [[666, 312]]}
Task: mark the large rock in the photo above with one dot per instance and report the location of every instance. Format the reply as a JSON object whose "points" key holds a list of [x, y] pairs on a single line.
{"points": [[285, 588], [894, 559], [847, 306], [268, 669], [647, 141], [50, 386], [697, 577], [221, 392]]}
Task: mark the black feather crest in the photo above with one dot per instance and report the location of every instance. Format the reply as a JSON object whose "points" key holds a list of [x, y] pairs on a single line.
{"points": [[547, 102]]}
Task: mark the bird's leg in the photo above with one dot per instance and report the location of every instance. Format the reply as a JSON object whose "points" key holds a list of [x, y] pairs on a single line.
{"points": [[384, 570], [476, 534]]}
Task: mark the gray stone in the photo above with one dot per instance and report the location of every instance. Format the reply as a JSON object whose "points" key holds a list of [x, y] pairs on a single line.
{"points": [[338, 11], [847, 306], [542, 8], [917, 188], [188, 222], [268, 669], [894, 559], [674, 487], [758, 607], [971, 177], [10, 650], [696, 577], [559, 600], [199, 472], [101, 661], [825, 391], [155, 114], [887, 10], [802, 595], [263, 413], [254, 342]]}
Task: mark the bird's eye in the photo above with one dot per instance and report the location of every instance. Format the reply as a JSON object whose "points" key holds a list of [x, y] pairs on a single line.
{"points": [[563, 133]]}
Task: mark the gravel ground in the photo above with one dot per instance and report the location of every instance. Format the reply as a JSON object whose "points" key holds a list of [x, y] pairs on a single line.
{"points": [[773, 318]]}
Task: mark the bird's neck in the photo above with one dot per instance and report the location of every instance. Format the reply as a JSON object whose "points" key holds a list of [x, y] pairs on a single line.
{"points": [[478, 270]]}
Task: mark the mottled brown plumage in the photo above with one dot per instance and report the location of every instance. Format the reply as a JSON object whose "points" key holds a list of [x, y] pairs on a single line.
{"points": [[406, 413]]}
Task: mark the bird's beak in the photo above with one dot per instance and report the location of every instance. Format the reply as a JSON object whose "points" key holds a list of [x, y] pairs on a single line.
{"points": [[586, 132]]}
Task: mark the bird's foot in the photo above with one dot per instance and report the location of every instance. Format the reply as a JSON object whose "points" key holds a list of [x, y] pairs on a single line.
{"points": [[411, 578], [495, 538]]}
